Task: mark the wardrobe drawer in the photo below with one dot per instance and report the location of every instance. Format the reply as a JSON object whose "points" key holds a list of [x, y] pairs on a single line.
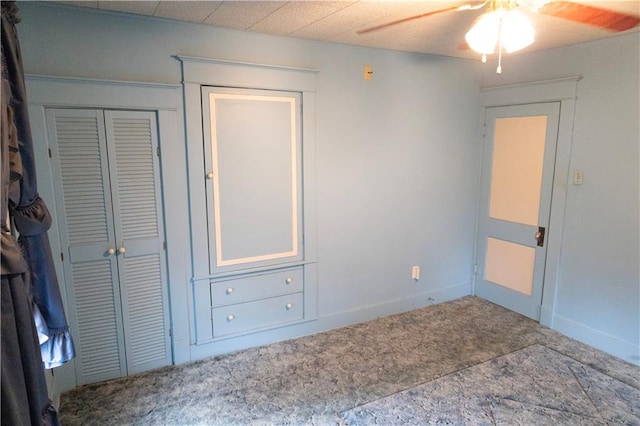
{"points": [[258, 314], [256, 287]]}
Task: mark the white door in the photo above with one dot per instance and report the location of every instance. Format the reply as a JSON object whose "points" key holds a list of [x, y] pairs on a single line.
{"points": [[253, 155], [108, 204], [518, 165]]}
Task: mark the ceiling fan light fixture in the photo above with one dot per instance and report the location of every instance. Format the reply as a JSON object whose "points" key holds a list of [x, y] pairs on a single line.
{"points": [[517, 31], [483, 36], [510, 28], [501, 29]]}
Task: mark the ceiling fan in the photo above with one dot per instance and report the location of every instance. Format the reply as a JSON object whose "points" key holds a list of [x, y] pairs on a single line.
{"points": [[503, 26]]}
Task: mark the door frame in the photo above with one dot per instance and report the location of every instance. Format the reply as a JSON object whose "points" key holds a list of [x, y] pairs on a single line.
{"points": [[166, 101], [562, 90]]}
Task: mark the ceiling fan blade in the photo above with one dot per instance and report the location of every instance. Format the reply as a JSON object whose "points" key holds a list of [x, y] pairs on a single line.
{"points": [[603, 18], [410, 18]]}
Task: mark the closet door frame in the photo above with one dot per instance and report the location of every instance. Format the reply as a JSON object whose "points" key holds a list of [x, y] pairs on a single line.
{"points": [[166, 101]]}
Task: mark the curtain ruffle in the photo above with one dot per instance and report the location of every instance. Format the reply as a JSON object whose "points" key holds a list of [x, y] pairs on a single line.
{"points": [[33, 219], [46, 293], [58, 349]]}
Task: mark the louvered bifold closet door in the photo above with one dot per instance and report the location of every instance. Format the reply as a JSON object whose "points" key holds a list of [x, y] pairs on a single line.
{"points": [[85, 217], [133, 142]]}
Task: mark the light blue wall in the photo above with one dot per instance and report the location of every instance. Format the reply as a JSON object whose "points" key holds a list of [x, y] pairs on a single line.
{"points": [[396, 157], [396, 176], [598, 287]]}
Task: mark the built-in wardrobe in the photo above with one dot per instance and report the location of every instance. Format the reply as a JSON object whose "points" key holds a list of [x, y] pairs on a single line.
{"points": [[102, 153], [250, 140]]}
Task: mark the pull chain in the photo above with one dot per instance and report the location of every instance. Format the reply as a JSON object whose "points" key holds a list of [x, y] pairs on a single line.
{"points": [[499, 69]]}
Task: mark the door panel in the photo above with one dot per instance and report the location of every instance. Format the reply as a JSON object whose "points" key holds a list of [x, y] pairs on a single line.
{"points": [[253, 155], [517, 168], [147, 334], [131, 136], [132, 140], [518, 163], [510, 265], [101, 348]]}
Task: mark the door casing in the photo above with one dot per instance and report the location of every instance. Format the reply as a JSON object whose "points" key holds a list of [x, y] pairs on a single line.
{"points": [[563, 90], [166, 100]]}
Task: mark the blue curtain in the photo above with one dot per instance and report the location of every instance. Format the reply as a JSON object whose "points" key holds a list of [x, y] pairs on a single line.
{"points": [[35, 333]]}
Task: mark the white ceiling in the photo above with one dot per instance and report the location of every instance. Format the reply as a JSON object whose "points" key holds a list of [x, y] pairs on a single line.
{"points": [[338, 21]]}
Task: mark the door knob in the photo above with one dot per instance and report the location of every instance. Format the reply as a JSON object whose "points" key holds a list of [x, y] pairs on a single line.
{"points": [[122, 250], [111, 250], [210, 175], [540, 236]]}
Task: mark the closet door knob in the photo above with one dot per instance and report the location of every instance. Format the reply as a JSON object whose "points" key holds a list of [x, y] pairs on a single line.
{"points": [[231, 317], [210, 175], [122, 250], [111, 250]]}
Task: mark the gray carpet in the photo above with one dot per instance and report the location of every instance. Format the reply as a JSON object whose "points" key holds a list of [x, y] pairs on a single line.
{"points": [[533, 386], [480, 358]]}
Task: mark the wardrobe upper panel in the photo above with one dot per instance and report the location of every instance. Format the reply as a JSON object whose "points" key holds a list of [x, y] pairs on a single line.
{"points": [[252, 157]]}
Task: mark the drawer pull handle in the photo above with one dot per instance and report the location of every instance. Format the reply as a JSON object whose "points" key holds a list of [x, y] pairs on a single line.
{"points": [[289, 306], [229, 290], [231, 317], [289, 280]]}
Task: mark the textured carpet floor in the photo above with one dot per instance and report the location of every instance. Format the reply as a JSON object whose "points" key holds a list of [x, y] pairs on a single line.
{"points": [[533, 386], [321, 379]]}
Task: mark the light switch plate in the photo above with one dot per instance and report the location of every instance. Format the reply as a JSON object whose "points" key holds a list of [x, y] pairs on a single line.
{"points": [[578, 177]]}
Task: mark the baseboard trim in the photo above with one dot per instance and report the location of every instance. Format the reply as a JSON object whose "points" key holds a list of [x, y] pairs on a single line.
{"points": [[330, 322], [65, 379], [367, 313], [605, 342], [546, 316]]}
